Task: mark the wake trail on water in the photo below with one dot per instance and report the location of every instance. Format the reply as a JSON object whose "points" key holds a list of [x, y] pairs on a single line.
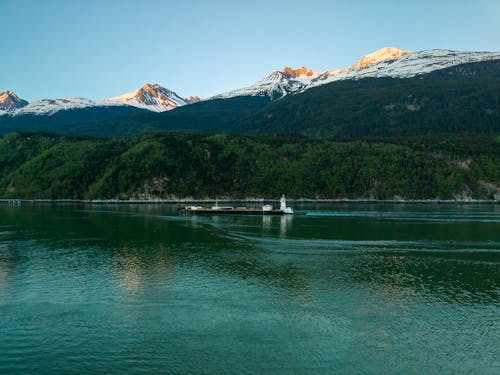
{"points": [[445, 217]]}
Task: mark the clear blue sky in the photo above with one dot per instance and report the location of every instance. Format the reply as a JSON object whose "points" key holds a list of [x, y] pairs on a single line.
{"points": [[103, 48]]}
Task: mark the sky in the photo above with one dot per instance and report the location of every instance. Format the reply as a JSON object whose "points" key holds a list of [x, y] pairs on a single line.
{"points": [[103, 48]]}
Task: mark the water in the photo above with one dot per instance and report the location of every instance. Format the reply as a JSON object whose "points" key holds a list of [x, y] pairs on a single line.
{"points": [[346, 289]]}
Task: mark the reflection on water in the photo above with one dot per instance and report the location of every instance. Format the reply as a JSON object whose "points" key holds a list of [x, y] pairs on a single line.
{"points": [[266, 223], [5, 274], [137, 269], [130, 266], [285, 225], [348, 289]]}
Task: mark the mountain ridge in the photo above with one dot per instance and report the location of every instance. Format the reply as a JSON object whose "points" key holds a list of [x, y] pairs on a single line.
{"points": [[385, 62], [152, 97], [460, 99], [410, 94]]}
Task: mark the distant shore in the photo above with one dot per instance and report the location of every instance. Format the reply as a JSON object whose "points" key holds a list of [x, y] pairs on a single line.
{"points": [[250, 200]]}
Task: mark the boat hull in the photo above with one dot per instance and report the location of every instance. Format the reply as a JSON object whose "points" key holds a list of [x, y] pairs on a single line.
{"points": [[235, 211]]}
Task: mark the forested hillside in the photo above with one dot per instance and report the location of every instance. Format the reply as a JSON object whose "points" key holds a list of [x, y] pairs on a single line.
{"points": [[174, 165], [64, 121], [459, 100]]}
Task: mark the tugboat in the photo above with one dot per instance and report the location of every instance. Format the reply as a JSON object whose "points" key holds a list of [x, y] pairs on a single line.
{"points": [[266, 209]]}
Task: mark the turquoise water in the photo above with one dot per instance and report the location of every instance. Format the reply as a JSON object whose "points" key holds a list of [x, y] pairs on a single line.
{"points": [[347, 289]]}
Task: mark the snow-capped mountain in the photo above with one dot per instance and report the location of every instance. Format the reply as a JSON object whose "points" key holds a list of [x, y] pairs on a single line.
{"points": [[304, 75], [155, 98], [10, 101], [380, 55], [289, 80], [386, 62], [51, 106], [407, 64], [152, 97], [274, 86]]}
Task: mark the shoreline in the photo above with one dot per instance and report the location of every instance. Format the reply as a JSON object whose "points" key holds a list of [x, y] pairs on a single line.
{"points": [[250, 200]]}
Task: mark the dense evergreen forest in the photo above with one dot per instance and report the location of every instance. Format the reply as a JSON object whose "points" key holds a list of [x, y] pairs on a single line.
{"points": [[176, 165]]}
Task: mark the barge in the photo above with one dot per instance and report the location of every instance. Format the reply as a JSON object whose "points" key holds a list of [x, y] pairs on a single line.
{"points": [[266, 209]]}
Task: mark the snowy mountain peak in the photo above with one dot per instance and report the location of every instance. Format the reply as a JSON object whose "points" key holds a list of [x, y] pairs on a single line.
{"points": [[152, 88], [193, 99], [380, 55], [276, 76], [51, 106], [274, 86], [153, 97], [300, 72], [387, 63], [10, 101], [289, 80]]}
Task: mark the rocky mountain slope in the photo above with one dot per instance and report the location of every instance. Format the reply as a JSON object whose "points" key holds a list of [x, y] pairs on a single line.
{"points": [[10, 101], [154, 97]]}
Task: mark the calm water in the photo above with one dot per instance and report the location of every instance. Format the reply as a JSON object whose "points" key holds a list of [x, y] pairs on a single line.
{"points": [[347, 289]]}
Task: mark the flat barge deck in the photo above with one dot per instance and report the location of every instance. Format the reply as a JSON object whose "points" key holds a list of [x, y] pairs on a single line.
{"points": [[229, 210]]}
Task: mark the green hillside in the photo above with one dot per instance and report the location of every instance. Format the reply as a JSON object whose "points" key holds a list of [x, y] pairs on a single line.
{"points": [[174, 165], [462, 99]]}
